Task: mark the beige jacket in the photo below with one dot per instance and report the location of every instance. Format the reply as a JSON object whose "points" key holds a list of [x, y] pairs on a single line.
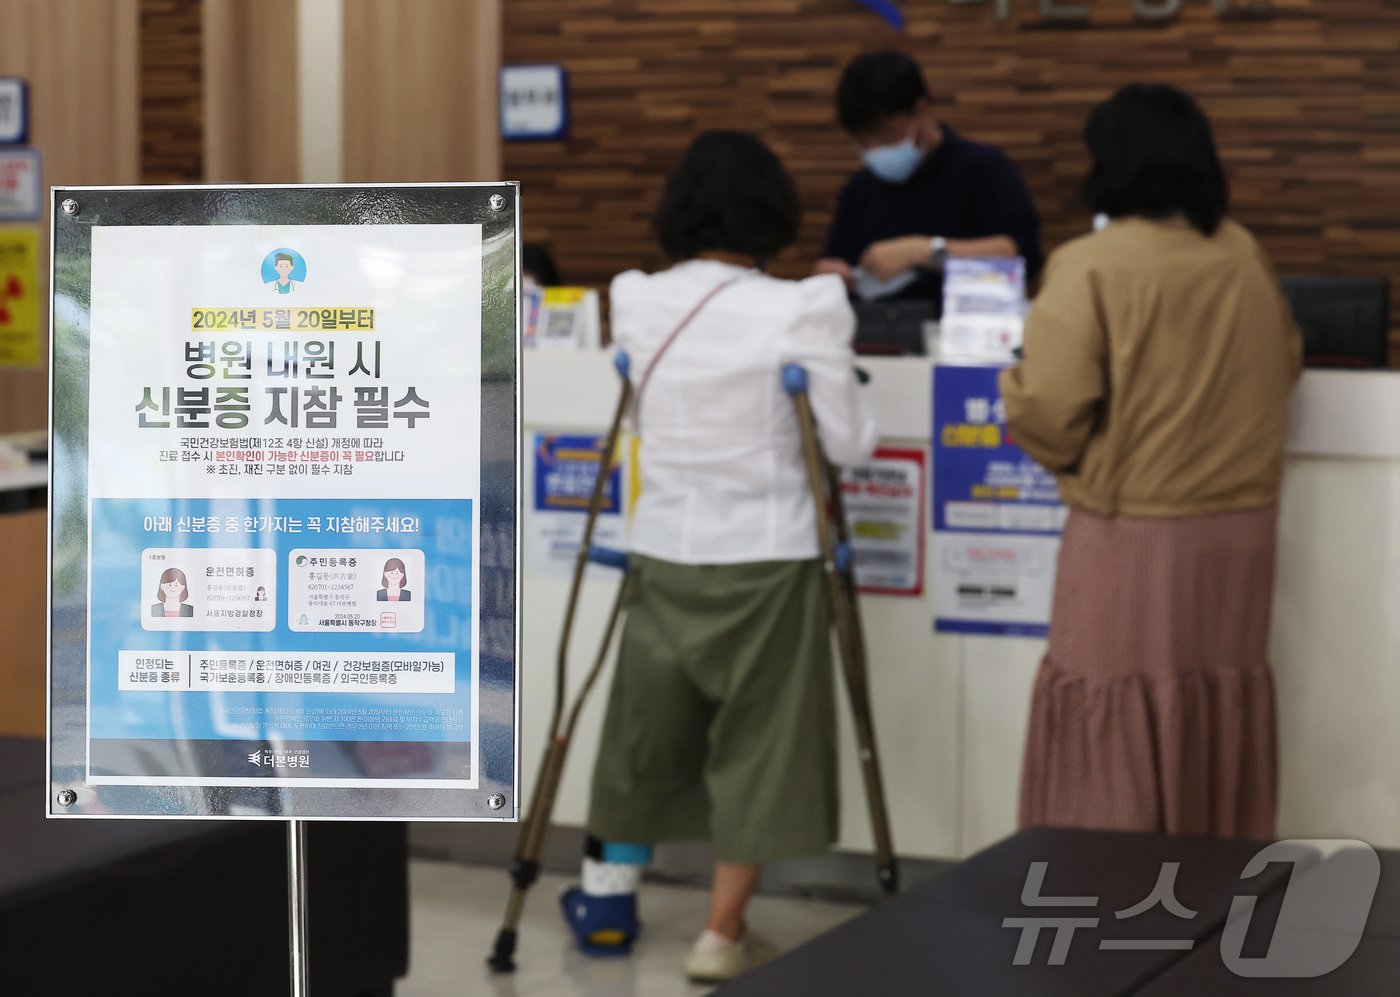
{"points": [[1158, 364]]}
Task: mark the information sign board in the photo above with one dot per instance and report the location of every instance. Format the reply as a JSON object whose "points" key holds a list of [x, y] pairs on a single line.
{"points": [[285, 502]]}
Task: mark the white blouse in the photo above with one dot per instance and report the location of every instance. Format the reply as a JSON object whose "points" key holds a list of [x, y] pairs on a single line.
{"points": [[723, 479]]}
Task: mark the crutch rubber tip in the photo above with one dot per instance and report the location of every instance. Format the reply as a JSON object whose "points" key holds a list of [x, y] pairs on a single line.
{"points": [[502, 960], [794, 379], [889, 878]]}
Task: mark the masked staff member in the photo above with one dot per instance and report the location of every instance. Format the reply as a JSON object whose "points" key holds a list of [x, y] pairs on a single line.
{"points": [[925, 194], [721, 719]]}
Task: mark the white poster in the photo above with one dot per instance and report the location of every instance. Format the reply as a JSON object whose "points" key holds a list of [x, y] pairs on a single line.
{"points": [[285, 476], [884, 500], [994, 583]]}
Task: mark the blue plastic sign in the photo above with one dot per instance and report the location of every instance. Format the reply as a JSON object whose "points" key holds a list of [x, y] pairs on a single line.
{"points": [[887, 12], [534, 103]]}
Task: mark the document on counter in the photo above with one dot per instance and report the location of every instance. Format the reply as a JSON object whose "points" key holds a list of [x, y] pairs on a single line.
{"points": [[870, 288]]}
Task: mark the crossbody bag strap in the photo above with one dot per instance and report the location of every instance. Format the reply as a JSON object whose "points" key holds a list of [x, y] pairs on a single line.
{"points": [[675, 333]]}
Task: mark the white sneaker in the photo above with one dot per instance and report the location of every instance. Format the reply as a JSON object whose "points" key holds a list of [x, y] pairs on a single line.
{"points": [[716, 959]]}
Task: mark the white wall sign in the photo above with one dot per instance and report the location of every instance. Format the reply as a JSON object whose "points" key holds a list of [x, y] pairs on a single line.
{"points": [[14, 110], [20, 186], [884, 499], [534, 102]]}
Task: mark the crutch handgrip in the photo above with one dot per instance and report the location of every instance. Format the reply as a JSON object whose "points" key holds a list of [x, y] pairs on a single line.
{"points": [[622, 363], [844, 558], [794, 379], [608, 556]]}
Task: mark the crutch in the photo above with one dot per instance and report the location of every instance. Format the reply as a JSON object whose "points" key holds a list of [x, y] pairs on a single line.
{"points": [[839, 568], [525, 867]]}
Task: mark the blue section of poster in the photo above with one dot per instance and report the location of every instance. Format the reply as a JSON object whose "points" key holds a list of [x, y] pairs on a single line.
{"points": [[281, 620], [976, 459]]}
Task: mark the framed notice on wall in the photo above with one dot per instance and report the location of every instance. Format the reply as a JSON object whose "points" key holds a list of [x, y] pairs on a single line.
{"points": [[284, 503]]}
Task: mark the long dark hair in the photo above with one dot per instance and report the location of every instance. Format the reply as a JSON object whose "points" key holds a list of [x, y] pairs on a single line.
{"points": [[1154, 156], [393, 562]]}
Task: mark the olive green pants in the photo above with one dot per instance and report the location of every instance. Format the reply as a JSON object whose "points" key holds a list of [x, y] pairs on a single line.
{"points": [[721, 719]]}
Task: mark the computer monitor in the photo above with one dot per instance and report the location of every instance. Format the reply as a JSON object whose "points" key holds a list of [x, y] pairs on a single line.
{"points": [[893, 327], [1345, 320]]}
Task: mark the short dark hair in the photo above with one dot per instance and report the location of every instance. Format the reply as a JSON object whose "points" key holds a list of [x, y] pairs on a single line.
{"points": [[284, 256], [1154, 156], [875, 87], [730, 192], [536, 261]]}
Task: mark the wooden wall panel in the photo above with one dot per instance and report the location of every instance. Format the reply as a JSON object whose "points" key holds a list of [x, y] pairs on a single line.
{"points": [[81, 60], [172, 84], [251, 113], [420, 90], [1306, 105], [24, 619]]}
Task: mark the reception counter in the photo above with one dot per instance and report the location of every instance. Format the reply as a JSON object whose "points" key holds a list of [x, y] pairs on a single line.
{"points": [[950, 710]]}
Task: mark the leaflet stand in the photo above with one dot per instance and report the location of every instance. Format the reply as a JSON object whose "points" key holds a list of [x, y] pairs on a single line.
{"points": [[296, 899]]}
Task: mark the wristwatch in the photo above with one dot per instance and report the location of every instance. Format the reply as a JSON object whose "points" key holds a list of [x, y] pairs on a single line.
{"points": [[937, 252]]}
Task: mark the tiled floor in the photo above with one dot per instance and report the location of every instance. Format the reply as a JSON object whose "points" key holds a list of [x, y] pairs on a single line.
{"points": [[457, 911]]}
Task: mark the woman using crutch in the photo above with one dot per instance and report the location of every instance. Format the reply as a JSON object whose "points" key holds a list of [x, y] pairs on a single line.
{"points": [[721, 720]]}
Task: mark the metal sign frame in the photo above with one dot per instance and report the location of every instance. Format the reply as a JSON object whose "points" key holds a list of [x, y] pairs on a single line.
{"points": [[177, 782]]}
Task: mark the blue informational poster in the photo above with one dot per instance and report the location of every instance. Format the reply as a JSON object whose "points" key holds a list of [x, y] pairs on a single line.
{"points": [[997, 514], [560, 476], [284, 482], [566, 471]]}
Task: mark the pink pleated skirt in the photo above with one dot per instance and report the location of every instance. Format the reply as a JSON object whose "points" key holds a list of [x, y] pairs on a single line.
{"points": [[1154, 707]]}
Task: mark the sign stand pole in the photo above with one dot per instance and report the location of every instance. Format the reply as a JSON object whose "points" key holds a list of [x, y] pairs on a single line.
{"points": [[296, 894]]}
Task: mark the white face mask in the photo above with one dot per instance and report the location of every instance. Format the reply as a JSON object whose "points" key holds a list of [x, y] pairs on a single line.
{"points": [[893, 163]]}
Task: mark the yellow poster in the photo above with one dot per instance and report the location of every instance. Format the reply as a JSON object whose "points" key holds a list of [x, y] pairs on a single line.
{"points": [[20, 338]]}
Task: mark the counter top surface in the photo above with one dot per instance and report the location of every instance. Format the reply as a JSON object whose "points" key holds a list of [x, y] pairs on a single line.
{"points": [[1334, 413]]}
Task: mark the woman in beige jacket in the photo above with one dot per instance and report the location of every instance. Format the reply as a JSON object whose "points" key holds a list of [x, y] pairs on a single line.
{"points": [[1159, 357]]}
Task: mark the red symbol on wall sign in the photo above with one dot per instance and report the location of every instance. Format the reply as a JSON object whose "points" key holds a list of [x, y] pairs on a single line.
{"points": [[13, 289]]}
